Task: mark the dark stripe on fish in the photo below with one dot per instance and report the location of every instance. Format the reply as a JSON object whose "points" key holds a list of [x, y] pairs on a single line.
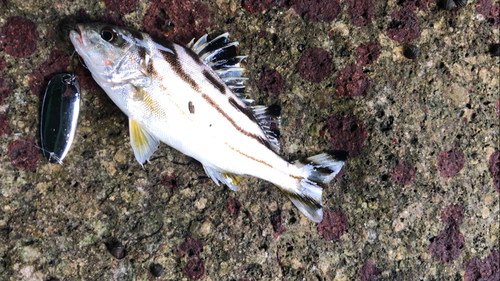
{"points": [[248, 156], [256, 137], [194, 56], [306, 200], [214, 81], [243, 110], [170, 55], [191, 107]]}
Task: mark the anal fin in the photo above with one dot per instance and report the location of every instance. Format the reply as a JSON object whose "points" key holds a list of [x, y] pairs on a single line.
{"points": [[143, 142], [231, 180]]}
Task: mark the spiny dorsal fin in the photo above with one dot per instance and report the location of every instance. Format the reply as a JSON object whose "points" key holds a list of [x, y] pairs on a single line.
{"points": [[220, 55]]}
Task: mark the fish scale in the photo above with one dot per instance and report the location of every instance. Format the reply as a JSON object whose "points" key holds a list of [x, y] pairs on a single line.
{"points": [[192, 99]]}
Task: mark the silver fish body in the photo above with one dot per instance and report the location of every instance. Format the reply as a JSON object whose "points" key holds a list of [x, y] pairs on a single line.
{"points": [[188, 98]]}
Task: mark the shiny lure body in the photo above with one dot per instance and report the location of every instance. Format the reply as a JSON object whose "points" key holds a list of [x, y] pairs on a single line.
{"points": [[59, 116], [188, 98]]}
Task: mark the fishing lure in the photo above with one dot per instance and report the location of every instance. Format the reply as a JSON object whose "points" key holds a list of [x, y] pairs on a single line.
{"points": [[58, 121]]}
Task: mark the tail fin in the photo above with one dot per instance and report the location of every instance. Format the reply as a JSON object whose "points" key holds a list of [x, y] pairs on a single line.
{"points": [[320, 169]]}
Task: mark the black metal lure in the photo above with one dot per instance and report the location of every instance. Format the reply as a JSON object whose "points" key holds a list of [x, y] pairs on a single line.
{"points": [[58, 121]]}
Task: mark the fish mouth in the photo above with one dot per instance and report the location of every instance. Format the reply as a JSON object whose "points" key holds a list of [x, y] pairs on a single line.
{"points": [[77, 38]]}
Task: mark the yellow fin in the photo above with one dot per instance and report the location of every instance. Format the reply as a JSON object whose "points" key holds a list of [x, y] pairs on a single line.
{"points": [[143, 142], [231, 180]]}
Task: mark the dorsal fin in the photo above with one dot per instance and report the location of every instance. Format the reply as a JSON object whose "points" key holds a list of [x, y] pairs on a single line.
{"points": [[220, 55]]}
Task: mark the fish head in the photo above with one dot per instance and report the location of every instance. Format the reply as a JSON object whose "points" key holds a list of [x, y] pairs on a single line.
{"points": [[108, 51]]}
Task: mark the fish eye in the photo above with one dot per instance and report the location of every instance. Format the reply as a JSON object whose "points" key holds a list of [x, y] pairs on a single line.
{"points": [[108, 35]]}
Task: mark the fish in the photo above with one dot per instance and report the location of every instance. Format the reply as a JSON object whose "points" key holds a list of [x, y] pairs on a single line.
{"points": [[193, 99]]}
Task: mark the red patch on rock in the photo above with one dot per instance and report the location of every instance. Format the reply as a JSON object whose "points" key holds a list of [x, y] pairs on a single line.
{"points": [[404, 26], [314, 65], [346, 133], [5, 90], [447, 245], [486, 270], [316, 10], [57, 62], [333, 225], [450, 162], [369, 272], [169, 181], [23, 154], [360, 11], [4, 125], [422, 5], [452, 215], [494, 167], [121, 7], [403, 173], [497, 106], [351, 81], [233, 206], [191, 246], [489, 11], [277, 225], [258, 6], [270, 81], [18, 36], [194, 269], [367, 53], [179, 20], [2, 63]]}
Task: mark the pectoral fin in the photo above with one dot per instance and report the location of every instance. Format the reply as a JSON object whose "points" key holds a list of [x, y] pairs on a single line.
{"points": [[143, 142]]}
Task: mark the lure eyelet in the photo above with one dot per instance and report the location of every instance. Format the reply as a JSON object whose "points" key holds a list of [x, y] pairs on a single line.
{"points": [[108, 35]]}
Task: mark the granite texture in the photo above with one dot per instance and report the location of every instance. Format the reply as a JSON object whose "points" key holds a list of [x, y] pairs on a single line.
{"points": [[102, 216]]}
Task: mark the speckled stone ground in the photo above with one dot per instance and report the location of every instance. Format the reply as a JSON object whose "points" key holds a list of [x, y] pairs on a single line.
{"points": [[65, 222]]}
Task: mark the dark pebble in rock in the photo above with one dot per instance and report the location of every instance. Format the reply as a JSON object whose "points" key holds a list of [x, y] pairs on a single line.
{"points": [[121, 7], [447, 245], [5, 90], [194, 269], [404, 26], [333, 225], [156, 269], [369, 272], [169, 181], [367, 53], [411, 52], [494, 167], [23, 154], [314, 65], [494, 50], [317, 10], [452, 215], [450, 162], [346, 133], [19, 36], [403, 173], [2, 63], [270, 81], [351, 81], [233, 206], [116, 249], [451, 4], [179, 20], [486, 270], [277, 224], [489, 11], [4, 125], [191, 246], [57, 62], [360, 12]]}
